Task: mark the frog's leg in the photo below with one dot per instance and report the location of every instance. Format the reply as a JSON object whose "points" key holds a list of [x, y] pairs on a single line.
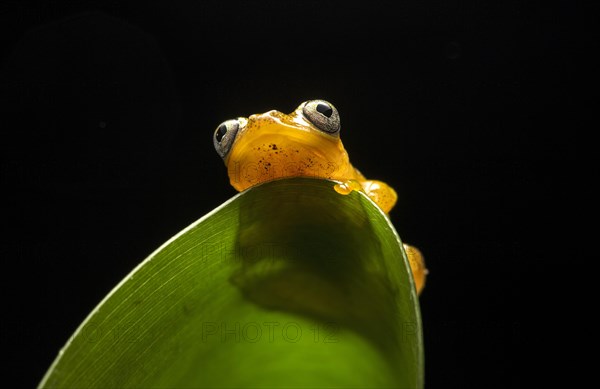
{"points": [[385, 197], [417, 265], [381, 193]]}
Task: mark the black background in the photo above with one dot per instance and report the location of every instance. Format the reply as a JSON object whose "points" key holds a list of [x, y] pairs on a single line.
{"points": [[107, 151]]}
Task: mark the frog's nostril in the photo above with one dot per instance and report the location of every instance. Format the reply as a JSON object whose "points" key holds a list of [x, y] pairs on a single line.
{"points": [[265, 116]]}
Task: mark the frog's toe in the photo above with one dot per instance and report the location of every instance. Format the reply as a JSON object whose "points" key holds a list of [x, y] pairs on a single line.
{"points": [[346, 187], [417, 265]]}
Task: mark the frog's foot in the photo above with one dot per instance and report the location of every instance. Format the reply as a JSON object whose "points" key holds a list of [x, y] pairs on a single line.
{"points": [[346, 187], [381, 193], [417, 265]]}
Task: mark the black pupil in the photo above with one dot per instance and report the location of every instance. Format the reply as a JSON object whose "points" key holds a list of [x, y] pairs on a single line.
{"points": [[324, 109], [221, 131]]}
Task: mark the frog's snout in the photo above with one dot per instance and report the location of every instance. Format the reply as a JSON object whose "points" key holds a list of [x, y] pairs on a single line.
{"points": [[256, 117], [265, 116]]}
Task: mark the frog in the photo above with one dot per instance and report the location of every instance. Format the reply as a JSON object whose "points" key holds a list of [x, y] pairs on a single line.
{"points": [[304, 143]]}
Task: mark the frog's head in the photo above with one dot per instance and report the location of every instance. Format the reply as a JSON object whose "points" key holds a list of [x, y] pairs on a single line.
{"points": [[275, 145]]}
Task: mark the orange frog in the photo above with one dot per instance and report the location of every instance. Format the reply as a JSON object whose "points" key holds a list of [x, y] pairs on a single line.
{"points": [[304, 143]]}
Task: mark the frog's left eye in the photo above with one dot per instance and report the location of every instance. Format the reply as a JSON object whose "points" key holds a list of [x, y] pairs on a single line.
{"points": [[323, 115], [225, 135]]}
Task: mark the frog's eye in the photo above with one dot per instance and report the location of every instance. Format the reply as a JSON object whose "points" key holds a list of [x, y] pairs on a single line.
{"points": [[323, 115], [225, 135]]}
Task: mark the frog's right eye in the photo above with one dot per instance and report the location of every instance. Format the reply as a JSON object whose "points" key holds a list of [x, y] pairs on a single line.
{"points": [[225, 136]]}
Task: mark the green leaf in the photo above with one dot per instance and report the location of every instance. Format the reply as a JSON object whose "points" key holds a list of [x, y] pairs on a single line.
{"points": [[288, 284]]}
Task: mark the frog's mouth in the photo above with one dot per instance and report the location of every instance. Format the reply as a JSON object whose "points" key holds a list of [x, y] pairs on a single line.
{"points": [[275, 156], [272, 157]]}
